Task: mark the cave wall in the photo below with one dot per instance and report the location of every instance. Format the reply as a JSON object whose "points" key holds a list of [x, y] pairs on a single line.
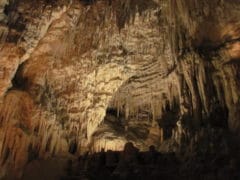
{"points": [[63, 63]]}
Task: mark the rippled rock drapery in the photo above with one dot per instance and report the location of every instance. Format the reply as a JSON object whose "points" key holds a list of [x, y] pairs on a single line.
{"points": [[163, 68]]}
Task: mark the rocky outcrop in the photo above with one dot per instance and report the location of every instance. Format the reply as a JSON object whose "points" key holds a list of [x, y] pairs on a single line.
{"points": [[85, 75]]}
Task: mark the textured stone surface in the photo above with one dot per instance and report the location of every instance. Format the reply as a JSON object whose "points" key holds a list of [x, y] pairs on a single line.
{"points": [[85, 75]]}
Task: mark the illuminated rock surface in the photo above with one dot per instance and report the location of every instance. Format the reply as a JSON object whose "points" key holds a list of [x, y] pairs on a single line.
{"points": [[86, 75]]}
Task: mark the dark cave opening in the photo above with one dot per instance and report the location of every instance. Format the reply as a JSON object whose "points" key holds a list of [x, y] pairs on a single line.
{"points": [[18, 81], [73, 147]]}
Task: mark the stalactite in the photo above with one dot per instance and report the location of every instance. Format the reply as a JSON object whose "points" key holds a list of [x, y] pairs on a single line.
{"points": [[201, 80], [127, 110], [88, 66], [189, 76]]}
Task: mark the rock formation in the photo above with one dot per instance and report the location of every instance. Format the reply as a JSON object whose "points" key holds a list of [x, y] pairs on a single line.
{"points": [[82, 75]]}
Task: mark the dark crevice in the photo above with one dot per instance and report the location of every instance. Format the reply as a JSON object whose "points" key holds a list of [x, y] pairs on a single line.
{"points": [[32, 153], [47, 149], [73, 147], [19, 82], [207, 48], [87, 2], [6, 155], [6, 10]]}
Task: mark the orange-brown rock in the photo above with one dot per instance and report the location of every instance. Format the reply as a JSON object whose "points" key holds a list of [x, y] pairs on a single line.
{"points": [[82, 75]]}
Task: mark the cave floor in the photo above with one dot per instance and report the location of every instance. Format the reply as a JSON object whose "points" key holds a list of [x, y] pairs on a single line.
{"points": [[136, 165]]}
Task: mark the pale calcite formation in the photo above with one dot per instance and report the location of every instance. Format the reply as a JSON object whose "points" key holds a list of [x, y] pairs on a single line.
{"points": [[64, 64]]}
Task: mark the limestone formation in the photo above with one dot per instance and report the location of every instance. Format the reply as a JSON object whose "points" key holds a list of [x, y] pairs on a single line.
{"points": [[79, 76]]}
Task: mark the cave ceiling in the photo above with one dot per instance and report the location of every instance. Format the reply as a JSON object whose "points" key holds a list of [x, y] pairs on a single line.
{"points": [[90, 74]]}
